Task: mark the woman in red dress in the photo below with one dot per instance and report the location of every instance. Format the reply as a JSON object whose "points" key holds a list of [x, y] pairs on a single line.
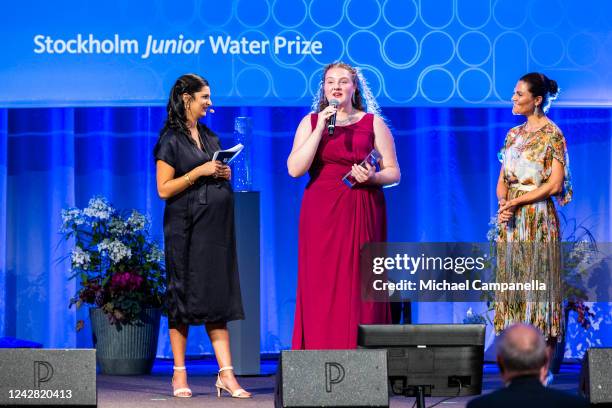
{"points": [[336, 220]]}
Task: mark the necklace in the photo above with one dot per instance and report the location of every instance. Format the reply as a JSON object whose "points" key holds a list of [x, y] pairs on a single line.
{"points": [[346, 121], [198, 141], [202, 144], [527, 129]]}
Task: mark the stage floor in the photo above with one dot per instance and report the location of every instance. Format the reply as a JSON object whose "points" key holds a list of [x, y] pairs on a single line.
{"points": [[155, 391]]}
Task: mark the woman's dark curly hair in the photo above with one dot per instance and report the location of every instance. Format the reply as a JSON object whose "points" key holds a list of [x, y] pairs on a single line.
{"points": [[176, 109]]}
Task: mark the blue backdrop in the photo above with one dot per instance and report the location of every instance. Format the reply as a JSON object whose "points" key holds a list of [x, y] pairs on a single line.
{"points": [[436, 53], [52, 158]]}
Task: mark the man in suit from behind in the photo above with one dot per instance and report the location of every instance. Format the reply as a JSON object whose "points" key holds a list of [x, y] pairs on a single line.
{"points": [[523, 362]]}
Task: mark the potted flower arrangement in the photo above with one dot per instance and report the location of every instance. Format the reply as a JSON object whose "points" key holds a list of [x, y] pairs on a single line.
{"points": [[121, 276], [580, 256]]}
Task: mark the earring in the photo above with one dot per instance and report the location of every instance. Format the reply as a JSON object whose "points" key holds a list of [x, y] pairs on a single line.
{"points": [[536, 110], [353, 99]]}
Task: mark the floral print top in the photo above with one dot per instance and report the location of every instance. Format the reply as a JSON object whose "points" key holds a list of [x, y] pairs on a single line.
{"points": [[527, 158]]}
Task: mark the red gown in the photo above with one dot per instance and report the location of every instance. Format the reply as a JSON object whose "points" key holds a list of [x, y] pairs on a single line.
{"points": [[335, 221]]}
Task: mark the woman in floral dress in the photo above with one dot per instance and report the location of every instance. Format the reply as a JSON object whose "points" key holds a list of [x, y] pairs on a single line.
{"points": [[535, 167]]}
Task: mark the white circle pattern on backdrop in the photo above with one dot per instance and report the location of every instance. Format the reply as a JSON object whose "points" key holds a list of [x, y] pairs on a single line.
{"points": [[408, 49]]}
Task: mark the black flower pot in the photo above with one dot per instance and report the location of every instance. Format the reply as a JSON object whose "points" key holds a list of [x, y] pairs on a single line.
{"points": [[128, 349]]}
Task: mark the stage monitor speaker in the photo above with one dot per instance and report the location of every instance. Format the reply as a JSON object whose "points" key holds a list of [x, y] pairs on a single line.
{"points": [[64, 378], [332, 378], [596, 375]]}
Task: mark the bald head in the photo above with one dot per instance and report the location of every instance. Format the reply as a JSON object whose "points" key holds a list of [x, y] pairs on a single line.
{"points": [[522, 349]]}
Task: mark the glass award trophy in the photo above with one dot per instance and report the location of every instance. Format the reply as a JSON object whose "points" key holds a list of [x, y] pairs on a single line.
{"points": [[373, 159], [242, 179]]}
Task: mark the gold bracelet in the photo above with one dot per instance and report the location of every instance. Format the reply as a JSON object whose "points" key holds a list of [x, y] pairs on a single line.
{"points": [[188, 179]]}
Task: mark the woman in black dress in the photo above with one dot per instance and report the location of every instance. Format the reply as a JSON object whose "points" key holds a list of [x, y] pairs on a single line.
{"points": [[199, 236]]}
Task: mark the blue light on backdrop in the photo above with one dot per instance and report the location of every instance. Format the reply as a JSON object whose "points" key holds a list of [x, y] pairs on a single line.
{"points": [[74, 125], [51, 158], [264, 52]]}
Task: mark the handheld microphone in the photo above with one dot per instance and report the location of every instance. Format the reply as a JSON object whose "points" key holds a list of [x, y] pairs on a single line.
{"points": [[331, 126]]}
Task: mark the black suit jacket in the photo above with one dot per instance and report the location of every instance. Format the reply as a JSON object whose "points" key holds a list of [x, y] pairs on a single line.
{"points": [[528, 392]]}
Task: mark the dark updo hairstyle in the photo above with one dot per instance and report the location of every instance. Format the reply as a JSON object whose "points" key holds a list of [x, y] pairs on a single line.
{"points": [[540, 85], [176, 110]]}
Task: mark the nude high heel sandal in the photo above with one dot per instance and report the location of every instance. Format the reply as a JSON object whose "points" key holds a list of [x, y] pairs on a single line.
{"points": [[180, 392], [239, 393]]}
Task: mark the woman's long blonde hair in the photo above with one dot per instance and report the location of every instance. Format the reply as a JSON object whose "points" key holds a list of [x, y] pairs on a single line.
{"points": [[362, 100]]}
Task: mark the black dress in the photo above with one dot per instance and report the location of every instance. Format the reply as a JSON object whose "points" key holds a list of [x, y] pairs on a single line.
{"points": [[199, 237]]}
